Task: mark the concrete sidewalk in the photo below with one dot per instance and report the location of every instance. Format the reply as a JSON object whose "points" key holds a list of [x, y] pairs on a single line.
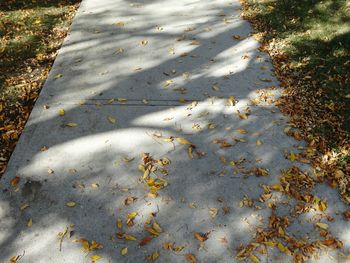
{"points": [[132, 77]]}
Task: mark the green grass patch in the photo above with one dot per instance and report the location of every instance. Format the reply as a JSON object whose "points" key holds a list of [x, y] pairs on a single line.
{"points": [[31, 32], [315, 36]]}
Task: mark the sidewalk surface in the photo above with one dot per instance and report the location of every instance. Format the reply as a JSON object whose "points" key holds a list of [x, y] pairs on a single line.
{"points": [[133, 77]]}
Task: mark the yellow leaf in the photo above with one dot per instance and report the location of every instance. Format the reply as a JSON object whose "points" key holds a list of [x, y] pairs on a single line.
{"points": [[71, 124], [258, 142], [58, 76], [129, 237], [231, 101], [254, 258], [156, 227], [243, 116], [24, 206], [322, 225], [280, 231], [71, 204], [124, 251], [281, 247], [112, 120], [183, 141], [95, 257], [119, 50], [322, 206], [30, 222], [119, 223], [168, 83], [120, 24], [61, 112], [191, 258], [122, 100], [153, 256], [152, 231], [190, 152]]}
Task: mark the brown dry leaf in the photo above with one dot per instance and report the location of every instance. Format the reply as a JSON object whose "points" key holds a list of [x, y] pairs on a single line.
{"points": [[260, 171], [191, 258], [346, 214], [143, 42], [145, 241], [153, 256], [129, 200], [200, 236], [168, 246], [242, 116], [15, 180]]}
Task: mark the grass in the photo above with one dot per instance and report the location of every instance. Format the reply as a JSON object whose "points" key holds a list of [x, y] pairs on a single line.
{"points": [[31, 32], [309, 42]]}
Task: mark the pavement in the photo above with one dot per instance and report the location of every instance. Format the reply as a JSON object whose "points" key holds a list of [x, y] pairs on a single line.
{"points": [[133, 77]]}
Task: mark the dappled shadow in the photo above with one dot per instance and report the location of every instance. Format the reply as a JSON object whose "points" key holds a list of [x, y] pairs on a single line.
{"points": [[86, 164]]}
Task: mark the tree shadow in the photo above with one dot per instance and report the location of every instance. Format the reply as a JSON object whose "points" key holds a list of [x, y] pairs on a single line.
{"points": [[89, 79]]}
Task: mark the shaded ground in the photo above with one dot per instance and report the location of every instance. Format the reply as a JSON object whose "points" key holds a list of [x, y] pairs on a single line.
{"points": [[187, 84]]}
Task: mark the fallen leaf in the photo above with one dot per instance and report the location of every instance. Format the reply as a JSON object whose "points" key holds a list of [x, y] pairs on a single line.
{"points": [[61, 112], [71, 204], [124, 251], [71, 124], [143, 42], [30, 222], [184, 141], [145, 241], [191, 258], [129, 237], [95, 258], [258, 143], [15, 180], [213, 211], [322, 226], [153, 256], [200, 236], [58, 76], [231, 101], [112, 120], [120, 24]]}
